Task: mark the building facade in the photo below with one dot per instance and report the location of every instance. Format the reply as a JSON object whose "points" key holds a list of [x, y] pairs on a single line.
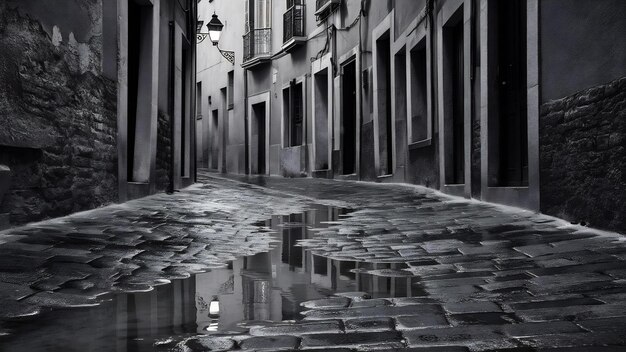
{"points": [[514, 102], [96, 103]]}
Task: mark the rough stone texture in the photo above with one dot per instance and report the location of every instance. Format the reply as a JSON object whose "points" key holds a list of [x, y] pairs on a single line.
{"points": [[58, 116], [164, 150], [475, 155], [583, 156]]}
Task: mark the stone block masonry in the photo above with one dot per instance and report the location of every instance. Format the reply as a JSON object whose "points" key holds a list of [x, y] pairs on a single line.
{"points": [[583, 156], [58, 118], [164, 151]]}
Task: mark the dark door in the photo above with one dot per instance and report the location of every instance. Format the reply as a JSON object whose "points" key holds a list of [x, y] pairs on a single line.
{"points": [[513, 130], [458, 121], [261, 139], [215, 140], [349, 119]]}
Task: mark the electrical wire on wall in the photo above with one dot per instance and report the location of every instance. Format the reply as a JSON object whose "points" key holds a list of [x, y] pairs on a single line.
{"points": [[331, 27]]}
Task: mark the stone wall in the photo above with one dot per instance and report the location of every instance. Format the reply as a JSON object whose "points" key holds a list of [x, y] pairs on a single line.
{"points": [[164, 152], [583, 156], [58, 114]]}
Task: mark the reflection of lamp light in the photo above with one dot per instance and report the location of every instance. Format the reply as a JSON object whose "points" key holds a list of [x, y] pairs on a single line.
{"points": [[213, 326], [214, 308]]}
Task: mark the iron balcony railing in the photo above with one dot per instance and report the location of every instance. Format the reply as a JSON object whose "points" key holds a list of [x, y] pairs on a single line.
{"points": [[257, 42], [293, 22]]}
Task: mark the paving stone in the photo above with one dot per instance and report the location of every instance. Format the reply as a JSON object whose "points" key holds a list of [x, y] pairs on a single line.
{"points": [[614, 324], [300, 328], [555, 303], [207, 343], [16, 292], [583, 349], [420, 321], [373, 312], [573, 312], [12, 309], [575, 339], [477, 338], [370, 339], [368, 324], [427, 349], [59, 300], [536, 250], [369, 303], [406, 301], [482, 319], [270, 343], [562, 282], [543, 328], [471, 307], [441, 246]]}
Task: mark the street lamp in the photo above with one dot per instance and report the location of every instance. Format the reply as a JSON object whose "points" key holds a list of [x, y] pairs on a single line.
{"points": [[215, 27]]}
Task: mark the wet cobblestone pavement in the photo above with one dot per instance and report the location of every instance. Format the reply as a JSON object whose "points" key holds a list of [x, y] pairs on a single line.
{"points": [[302, 264]]}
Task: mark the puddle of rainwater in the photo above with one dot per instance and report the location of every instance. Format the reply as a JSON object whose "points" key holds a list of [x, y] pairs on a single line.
{"points": [[265, 287]]}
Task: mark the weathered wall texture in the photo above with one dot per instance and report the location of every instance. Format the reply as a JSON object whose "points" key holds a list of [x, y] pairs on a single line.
{"points": [[57, 112], [164, 152], [582, 45], [583, 156]]}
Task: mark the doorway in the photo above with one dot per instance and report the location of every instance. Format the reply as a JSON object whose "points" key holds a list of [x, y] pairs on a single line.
{"points": [[511, 94], [139, 107], [419, 98], [385, 124], [454, 100], [321, 150], [215, 139], [349, 118], [259, 139]]}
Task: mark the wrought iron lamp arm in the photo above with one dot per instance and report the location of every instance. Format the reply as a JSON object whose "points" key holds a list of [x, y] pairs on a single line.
{"points": [[228, 55]]}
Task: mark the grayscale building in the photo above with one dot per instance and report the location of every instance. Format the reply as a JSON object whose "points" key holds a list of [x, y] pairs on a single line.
{"points": [[513, 102], [96, 103]]}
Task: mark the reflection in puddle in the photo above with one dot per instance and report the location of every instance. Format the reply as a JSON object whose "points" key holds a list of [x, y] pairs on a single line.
{"points": [[267, 286]]}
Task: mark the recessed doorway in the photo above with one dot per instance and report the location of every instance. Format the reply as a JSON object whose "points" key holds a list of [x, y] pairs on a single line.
{"points": [[349, 118]]}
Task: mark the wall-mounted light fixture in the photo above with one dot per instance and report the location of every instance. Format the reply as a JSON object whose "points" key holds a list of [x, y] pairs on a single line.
{"points": [[214, 27]]}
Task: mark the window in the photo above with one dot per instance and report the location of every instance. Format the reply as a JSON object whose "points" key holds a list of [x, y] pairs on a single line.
{"points": [[258, 14], [199, 99], [231, 90], [291, 3], [258, 37]]}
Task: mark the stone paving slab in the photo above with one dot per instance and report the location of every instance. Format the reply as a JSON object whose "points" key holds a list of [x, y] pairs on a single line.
{"points": [[486, 277]]}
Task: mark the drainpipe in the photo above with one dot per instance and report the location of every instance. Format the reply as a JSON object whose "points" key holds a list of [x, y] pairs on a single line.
{"points": [[360, 73], [433, 75], [245, 120], [170, 103], [191, 27]]}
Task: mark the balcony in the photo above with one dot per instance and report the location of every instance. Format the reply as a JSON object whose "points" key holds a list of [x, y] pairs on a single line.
{"points": [[323, 8], [294, 27], [257, 47]]}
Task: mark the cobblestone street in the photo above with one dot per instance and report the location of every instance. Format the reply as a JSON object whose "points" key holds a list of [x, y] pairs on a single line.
{"points": [[312, 264]]}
